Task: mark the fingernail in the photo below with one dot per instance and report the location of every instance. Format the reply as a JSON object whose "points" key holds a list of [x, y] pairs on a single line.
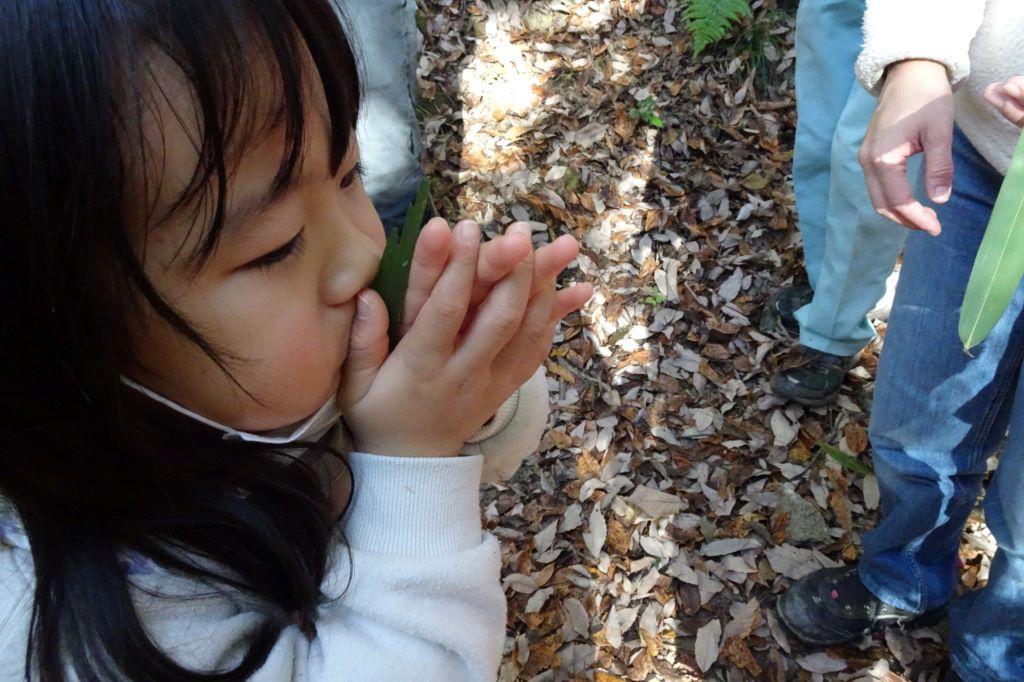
{"points": [[521, 228], [940, 193], [467, 233], [363, 306]]}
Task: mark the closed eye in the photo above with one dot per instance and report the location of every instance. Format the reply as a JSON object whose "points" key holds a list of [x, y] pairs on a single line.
{"points": [[280, 254], [355, 174]]}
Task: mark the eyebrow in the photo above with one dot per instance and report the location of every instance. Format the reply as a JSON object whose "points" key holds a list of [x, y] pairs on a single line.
{"points": [[256, 204]]}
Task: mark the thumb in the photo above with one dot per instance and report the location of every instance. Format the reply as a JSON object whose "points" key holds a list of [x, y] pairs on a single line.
{"points": [[938, 162], [367, 348]]}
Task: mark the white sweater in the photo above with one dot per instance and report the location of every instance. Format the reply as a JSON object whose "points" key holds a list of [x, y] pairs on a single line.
{"points": [[979, 41], [424, 603]]}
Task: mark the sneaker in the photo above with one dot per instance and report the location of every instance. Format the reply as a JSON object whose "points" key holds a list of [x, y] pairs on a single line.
{"points": [[815, 380], [782, 307], [831, 606]]}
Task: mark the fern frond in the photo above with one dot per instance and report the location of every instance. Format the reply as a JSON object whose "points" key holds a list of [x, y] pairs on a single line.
{"points": [[710, 20]]}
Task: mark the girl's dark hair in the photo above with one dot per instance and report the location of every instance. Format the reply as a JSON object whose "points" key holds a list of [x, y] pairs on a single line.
{"points": [[92, 469]]}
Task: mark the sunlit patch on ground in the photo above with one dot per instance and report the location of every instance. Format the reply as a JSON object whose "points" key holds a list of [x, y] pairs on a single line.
{"points": [[645, 540]]}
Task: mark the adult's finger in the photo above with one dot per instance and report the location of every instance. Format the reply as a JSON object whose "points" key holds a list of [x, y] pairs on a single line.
{"points": [[436, 328], [891, 174], [428, 261], [1011, 106], [937, 140]]}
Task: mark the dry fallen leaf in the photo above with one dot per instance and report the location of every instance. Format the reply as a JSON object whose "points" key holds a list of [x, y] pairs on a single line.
{"points": [[706, 648], [653, 493]]}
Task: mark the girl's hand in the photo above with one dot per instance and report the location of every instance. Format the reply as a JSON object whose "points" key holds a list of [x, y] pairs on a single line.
{"points": [[1008, 98], [497, 258], [440, 384]]}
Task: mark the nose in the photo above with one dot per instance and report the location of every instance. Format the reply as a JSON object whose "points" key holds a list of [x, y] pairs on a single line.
{"points": [[353, 260]]}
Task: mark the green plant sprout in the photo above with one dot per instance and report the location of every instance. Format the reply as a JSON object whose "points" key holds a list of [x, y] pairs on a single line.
{"points": [[656, 298], [644, 110]]}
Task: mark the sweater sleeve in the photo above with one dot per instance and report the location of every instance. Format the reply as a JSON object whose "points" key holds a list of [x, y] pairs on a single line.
{"points": [[421, 598], [897, 30], [514, 432], [17, 586], [412, 590]]}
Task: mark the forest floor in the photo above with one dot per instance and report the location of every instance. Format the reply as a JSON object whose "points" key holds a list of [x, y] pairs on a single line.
{"points": [[673, 497]]}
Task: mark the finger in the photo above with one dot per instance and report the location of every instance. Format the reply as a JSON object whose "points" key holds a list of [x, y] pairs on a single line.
{"points": [[878, 198], [1008, 99], [526, 350], [875, 192], [499, 318], [919, 217], [891, 172], [550, 260], [432, 249], [367, 348], [570, 300], [498, 257], [437, 326], [1015, 88], [938, 161]]}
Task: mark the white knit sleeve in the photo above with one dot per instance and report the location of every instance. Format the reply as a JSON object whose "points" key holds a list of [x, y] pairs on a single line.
{"points": [[422, 598], [897, 30], [514, 432], [17, 585]]}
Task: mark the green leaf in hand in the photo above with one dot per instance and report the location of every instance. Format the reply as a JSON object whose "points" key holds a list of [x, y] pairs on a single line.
{"points": [[999, 265], [393, 275]]}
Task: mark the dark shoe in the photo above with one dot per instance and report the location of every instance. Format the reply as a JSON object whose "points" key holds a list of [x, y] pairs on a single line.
{"points": [[815, 380], [831, 606], [782, 307]]}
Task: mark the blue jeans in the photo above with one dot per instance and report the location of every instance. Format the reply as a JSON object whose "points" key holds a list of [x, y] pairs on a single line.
{"points": [[849, 250], [938, 415], [384, 36]]}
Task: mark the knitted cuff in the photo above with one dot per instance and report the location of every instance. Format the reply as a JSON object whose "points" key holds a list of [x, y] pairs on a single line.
{"points": [[514, 432], [898, 30], [414, 506]]}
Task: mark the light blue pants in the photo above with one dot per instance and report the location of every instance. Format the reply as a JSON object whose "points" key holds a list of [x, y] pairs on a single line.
{"points": [[385, 38], [938, 415], [849, 250]]}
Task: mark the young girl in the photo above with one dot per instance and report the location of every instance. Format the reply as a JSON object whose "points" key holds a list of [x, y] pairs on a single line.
{"points": [[186, 317]]}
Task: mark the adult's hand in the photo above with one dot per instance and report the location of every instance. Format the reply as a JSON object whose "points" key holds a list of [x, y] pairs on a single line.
{"points": [[914, 115], [1008, 98]]}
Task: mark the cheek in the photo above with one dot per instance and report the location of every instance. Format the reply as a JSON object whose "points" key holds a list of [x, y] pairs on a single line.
{"points": [[294, 350], [289, 351]]}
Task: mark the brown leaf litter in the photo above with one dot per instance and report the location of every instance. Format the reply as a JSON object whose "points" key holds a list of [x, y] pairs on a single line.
{"points": [[641, 542]]}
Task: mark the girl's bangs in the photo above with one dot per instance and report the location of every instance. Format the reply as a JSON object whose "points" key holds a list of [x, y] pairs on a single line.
{"points": [[254, 79]]}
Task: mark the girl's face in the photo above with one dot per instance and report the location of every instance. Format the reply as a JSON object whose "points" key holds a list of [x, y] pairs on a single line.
{"points": [[278, 295]]}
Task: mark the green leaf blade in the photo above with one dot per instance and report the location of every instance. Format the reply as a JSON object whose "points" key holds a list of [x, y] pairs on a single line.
{"points": [[999, 265], [845, 461], [392, 278]]}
